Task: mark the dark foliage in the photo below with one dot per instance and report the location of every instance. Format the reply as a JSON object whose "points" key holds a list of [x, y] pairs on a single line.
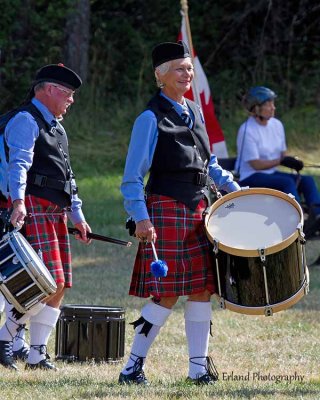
{"points": [[268, 42]]}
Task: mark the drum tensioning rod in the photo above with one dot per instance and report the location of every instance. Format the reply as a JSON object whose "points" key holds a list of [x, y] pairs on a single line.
{"points": [[215, 250], [268, 310], [95, 236]]}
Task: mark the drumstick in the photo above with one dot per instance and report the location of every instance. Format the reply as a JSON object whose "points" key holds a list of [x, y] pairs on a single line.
{"points": [[90, 235]]}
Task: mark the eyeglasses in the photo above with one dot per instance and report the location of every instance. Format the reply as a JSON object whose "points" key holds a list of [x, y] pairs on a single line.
{"points": [[67, 92]]}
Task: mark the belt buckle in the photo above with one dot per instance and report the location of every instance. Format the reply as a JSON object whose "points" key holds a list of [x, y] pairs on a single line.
{"points": [[201, 179]]}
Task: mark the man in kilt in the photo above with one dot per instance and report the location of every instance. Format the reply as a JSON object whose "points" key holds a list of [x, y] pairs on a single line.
{"points": [[170, 141], [42, 193]]}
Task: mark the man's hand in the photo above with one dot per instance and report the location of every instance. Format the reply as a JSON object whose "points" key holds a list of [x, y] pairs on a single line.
{"points": [[18, 214], [83, 228], [145, 231]]}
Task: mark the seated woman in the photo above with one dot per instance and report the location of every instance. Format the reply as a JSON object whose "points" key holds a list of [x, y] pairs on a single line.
{"points": [[261, 147]]}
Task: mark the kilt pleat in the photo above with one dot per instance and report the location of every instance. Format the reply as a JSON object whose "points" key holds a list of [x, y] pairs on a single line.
{"points": [[46, 231], [181, 242]]}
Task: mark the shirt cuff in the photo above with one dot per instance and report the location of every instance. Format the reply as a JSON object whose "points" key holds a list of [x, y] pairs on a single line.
{"points": [[76, 216], [231, 187]]}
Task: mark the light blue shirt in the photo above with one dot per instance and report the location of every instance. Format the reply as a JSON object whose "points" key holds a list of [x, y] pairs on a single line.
{"points": [[21, 133], [141, 149]]}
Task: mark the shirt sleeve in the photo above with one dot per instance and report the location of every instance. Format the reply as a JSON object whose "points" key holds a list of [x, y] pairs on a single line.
{"points": [[21, 133], [75, 214], [141, 149], [223, 179]]}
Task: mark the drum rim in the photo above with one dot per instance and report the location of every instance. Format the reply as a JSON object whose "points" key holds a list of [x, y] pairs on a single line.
{"points": [[255, 252]]}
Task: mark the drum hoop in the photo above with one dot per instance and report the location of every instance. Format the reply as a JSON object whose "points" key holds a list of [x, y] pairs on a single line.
{"points": [[255, 252], [283, 305], [36, 274]]}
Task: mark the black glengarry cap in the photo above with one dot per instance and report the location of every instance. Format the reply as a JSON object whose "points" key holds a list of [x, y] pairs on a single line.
{"points": [[168, 51]]}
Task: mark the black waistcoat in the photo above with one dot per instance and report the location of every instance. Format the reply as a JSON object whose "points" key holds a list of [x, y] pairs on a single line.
{"points": [[181, 155], [51, 160]]}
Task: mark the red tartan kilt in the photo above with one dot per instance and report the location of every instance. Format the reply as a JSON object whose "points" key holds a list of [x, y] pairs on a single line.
{"points": [[46, 230], [182, 242]]}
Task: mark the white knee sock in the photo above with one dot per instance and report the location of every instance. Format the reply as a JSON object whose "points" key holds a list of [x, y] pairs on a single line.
{"points": [[9, 329], [19, 340], [41, 326], [2, 302], [157, 316], [197, 324]]}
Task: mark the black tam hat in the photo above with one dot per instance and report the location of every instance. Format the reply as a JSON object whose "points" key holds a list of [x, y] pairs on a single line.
{"points": [[168, 51], [60, 74], [56, 73]]}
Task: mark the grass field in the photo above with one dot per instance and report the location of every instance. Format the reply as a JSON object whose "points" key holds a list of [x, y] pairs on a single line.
{"points": [[255, 356]]}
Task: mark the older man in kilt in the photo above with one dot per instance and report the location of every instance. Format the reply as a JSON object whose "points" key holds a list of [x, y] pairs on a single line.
{"points": [[42, 193], [170, 141]]}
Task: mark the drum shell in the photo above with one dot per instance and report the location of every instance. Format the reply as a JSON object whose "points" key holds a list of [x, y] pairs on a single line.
{"points": [[86, 333], [25, 280], [242, 278]]}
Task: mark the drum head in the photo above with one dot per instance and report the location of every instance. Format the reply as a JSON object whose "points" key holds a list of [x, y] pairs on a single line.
{"points": [[244, 222], [32, 261]]}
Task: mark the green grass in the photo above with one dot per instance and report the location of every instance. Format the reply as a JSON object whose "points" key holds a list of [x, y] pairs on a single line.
{"points": [[281, 345]]}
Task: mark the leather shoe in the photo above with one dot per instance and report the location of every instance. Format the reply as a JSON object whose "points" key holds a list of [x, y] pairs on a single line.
{"points": [[210, 377], [135, 378], [206, 379], [43, 364], [21, 354], [6, 358]]}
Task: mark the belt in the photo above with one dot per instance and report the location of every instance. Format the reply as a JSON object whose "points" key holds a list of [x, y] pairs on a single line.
{"points": [[51, 183], [197, 178]]}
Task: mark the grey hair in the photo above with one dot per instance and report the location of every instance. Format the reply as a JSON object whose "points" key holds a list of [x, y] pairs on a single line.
{"points": [[161, 69], [39, 86]]}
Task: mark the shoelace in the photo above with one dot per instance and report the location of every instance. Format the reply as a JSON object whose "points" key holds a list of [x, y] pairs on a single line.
{"points": [[138, 364], [42, 348], [19, 330], [8, 349], [211, 369]]}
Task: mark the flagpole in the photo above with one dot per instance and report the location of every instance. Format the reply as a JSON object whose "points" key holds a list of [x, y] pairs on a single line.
{"points": [[184, 9]]}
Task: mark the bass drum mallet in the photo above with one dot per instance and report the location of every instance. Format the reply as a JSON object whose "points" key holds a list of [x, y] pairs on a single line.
{"points": [[159, 268]]}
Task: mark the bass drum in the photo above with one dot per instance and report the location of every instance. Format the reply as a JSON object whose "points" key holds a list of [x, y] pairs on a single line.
{"points": [[260, 254]]}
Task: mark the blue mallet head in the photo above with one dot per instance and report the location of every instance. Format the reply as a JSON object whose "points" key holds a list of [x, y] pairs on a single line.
{"points": [[159, 268]]}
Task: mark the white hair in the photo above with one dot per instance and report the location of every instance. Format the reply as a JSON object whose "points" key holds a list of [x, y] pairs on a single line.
{"points": [[161, 70]]}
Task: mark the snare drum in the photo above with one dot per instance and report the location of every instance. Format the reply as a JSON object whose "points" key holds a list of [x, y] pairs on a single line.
{"points": [[24, 279], [87, 333], [259, 245]]}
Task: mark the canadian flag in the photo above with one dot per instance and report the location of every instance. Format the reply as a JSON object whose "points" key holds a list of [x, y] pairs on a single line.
{"points": [[201, 86]]}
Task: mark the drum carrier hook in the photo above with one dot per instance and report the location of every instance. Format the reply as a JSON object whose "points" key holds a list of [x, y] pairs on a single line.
{"points": [[268, 310]]}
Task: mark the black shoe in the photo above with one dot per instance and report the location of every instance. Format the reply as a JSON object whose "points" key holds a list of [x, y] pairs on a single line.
{"points": [[209, 378], [6, 358], [21, 354], [206, 379], [137, 376], [43, 364]]}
